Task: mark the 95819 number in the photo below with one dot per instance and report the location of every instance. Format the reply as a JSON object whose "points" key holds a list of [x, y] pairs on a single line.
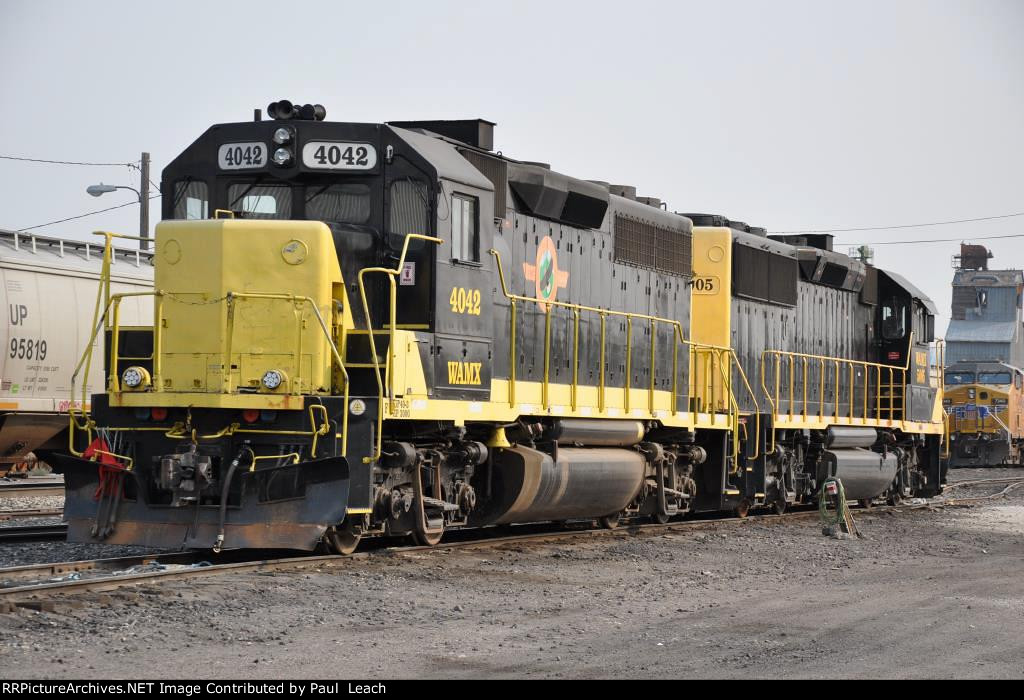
{"points": [[27, 349]]}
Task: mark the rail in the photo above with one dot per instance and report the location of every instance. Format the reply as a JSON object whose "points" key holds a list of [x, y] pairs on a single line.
{"points": [[702, 394]]}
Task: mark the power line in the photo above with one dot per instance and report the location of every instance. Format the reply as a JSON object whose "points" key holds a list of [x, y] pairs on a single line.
{"points": [[937, 240], [888, 228], [82, 216], [63, 162], [136, 167]]}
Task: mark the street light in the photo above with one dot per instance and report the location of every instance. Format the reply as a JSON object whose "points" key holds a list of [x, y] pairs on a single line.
{"points": [[97, 190], [143, 195]]}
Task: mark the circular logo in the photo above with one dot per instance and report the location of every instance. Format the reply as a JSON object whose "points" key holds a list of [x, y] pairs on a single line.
{"points": [[294, 252], [172, 252]]}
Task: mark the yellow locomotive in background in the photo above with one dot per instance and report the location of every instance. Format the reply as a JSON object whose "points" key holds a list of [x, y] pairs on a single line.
{"points": [[985, 351], [985, 404]]}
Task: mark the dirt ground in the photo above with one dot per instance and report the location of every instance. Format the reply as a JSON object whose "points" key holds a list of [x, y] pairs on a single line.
{"points": [[931, 593]]}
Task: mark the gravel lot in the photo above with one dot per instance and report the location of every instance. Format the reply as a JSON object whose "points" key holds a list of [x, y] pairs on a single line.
{"points": [[928, 593]]}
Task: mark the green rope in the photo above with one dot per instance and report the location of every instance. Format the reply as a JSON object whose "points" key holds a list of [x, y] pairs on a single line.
{"points": [[832, 518]]}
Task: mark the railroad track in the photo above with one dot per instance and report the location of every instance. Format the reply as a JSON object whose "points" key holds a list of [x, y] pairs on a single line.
{"points": [[30, 513], [17, 489], [28, 585], [33, 533]]}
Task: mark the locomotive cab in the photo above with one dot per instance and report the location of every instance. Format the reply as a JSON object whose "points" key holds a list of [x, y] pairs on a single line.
{"points": [[905, 330]]}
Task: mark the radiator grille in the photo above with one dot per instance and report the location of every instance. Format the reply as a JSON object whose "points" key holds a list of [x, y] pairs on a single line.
{"points": [[648, 245]]}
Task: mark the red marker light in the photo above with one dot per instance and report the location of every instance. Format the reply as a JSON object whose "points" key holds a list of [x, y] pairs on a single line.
{"points": [[251, 415], [158, 414]]}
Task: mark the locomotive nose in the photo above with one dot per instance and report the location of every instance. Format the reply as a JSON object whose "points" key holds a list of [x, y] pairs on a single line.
{"points": [[202, 504]]}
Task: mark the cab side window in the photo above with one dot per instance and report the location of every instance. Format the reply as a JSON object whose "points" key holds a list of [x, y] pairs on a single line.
{"points": [[894, 319], [465, 229], [191, 200]]}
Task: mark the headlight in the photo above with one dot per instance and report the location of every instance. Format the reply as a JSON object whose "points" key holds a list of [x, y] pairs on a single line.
{"points": [[272, 379], [282, 157], [282, 136], [134, 377]]}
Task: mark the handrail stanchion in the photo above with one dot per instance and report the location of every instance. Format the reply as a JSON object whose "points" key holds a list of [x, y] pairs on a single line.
{"points": [[575, 357], [545, 397], [650, 395], [512, 359], [628, 379], [601, 382]]}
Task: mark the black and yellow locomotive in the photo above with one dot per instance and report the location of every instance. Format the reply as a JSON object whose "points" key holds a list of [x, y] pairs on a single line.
{"points": [[391, 329]]}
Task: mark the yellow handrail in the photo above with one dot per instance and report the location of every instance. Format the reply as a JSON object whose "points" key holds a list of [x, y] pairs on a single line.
{"points": [[391, 274], [712, 355], [892, 371]]}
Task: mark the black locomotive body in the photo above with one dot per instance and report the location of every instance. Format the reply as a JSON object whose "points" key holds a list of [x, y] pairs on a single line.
{"points": [[501, 343]]}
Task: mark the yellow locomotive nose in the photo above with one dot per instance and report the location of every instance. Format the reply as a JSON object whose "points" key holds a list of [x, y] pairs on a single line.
{"points": [[225, 337]]}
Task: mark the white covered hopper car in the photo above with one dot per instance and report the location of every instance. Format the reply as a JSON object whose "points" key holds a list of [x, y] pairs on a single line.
{"points": [[48, 290]]}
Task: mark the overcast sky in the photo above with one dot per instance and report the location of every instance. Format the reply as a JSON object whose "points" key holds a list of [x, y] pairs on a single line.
{"points": [[789, 115]]}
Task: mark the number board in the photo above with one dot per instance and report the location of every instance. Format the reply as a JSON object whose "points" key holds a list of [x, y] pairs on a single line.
{"points": [[705, 284], [339, 155], [242, 156]]}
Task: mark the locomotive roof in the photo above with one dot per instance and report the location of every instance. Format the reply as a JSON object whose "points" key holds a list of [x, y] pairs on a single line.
{"points": [[914, 291], [443, 156]]}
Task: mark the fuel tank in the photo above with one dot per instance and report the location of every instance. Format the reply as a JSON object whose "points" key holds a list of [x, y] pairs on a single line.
{"points": [[865, 474], [530, 486]]}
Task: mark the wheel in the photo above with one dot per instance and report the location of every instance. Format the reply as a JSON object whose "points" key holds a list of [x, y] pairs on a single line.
{"points": [[743, 509], [660, 518], [779, 505], [866, 503], [428, 539], [341, 539], [609, 521]]}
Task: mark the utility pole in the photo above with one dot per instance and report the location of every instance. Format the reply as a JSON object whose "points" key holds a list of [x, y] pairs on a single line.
{"points": [[144, 203]]}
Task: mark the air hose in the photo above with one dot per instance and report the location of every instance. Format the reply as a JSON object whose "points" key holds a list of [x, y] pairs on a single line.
{"points": [[225, 489]]}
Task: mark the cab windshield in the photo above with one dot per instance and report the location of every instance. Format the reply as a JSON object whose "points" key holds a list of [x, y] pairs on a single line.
{"points": [[954, 378], [994, 378]]}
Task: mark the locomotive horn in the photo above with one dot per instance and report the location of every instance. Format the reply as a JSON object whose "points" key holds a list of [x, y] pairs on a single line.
{"points": [[312, 112], [282, 109]]}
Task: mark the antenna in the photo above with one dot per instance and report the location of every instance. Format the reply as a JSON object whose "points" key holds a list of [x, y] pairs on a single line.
{"points": [[863, 253]]}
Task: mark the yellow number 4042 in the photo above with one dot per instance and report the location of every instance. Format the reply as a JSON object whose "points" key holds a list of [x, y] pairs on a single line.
{"points": [[465, 301]]}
